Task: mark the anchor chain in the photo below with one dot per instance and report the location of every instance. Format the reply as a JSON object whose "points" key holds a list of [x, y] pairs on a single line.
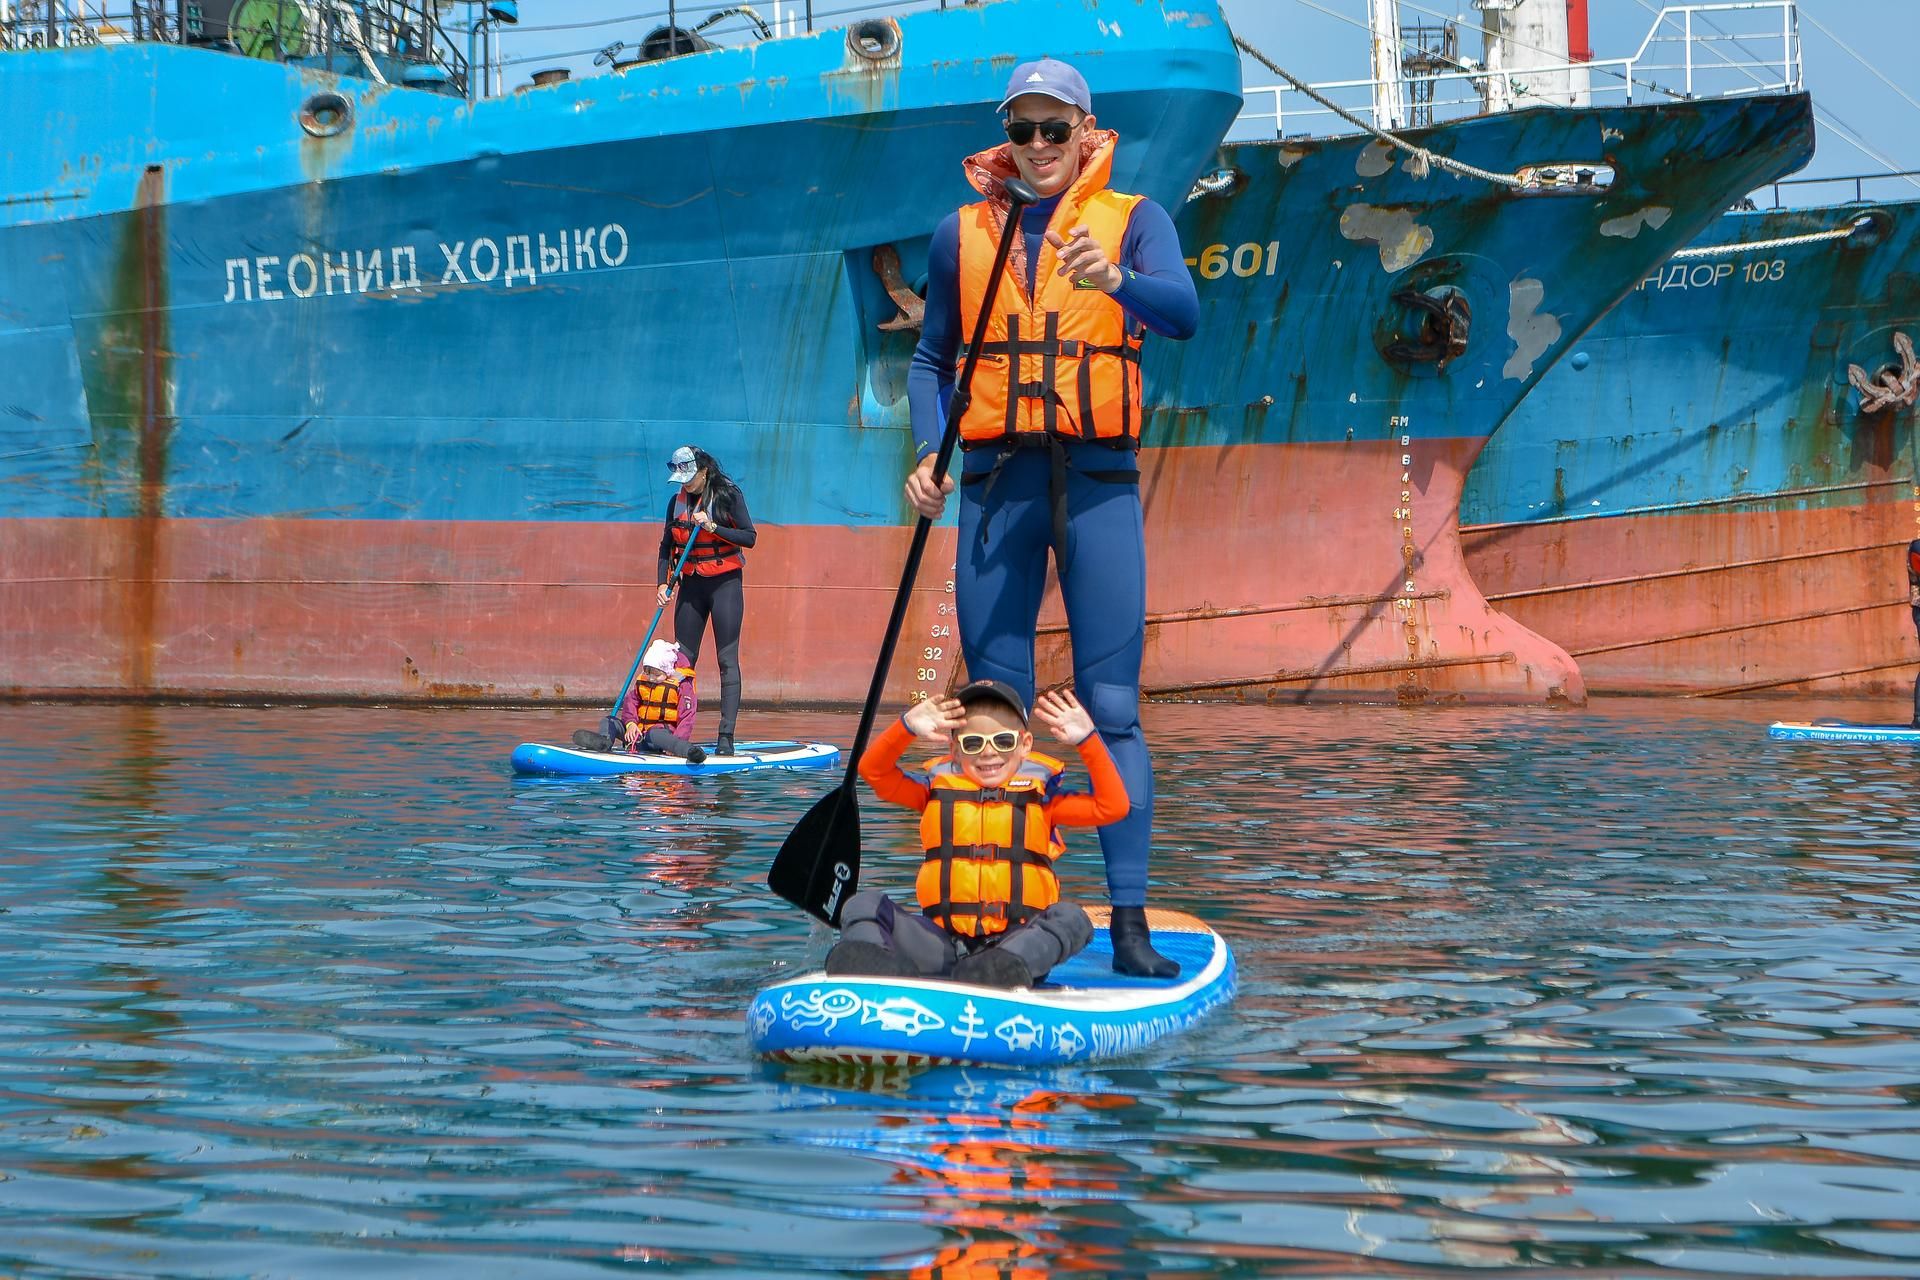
{"points": [[1890, 388]]}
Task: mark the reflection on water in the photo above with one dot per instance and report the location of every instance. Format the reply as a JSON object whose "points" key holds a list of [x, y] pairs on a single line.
{"points": [[1629, 991]]}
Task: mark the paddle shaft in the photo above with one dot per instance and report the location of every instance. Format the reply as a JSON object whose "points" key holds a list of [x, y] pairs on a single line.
{"points": [[620, 695], [818, 866], [949, 438]]}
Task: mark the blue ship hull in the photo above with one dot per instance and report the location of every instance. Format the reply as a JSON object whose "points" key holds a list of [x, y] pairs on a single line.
{"points": [[381, 412], [1699, 501]]}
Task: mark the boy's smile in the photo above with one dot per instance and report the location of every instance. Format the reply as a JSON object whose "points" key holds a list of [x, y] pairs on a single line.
{"points": [[991, 768]]}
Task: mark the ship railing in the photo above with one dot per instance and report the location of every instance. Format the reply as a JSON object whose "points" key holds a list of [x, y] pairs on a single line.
{"points": [[1688, 53], [671, 27], [396, 41], [1867, 187], [77, 24]]}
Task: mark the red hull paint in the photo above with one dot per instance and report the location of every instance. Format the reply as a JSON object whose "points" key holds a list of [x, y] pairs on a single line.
{"points": [[1303, 548], [1309, 546], [1717, 602], [516, 611]]}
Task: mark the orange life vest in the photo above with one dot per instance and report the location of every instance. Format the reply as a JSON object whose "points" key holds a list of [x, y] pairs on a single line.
{"points": [[985, 1260], [656, 701], [1064, 362], [711, 554], [989, 853]]}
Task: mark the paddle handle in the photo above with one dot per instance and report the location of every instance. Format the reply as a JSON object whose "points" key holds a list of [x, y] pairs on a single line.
{"points": [[620, 694], [1019, 195]]}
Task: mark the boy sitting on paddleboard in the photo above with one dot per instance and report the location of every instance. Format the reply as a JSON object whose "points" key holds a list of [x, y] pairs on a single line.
{"points": [[656, 715], [990, 816]]}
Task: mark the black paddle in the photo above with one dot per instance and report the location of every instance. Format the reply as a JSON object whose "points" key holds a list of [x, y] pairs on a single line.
{"points": [[818, 868]]}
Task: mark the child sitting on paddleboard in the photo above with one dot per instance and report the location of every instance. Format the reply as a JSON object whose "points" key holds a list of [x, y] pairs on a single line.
{"points": [[990, 811], [656, 715]]}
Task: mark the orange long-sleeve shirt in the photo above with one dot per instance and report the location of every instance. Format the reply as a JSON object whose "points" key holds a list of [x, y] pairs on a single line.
{"points": [[880, 766]]}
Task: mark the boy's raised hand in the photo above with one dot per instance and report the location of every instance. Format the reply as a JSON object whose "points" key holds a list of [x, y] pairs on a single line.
{"points": [[934, 718], [1064, 717]]}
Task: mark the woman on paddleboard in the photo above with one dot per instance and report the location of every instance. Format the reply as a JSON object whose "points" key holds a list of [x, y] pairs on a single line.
{"points": [[711, 510]]}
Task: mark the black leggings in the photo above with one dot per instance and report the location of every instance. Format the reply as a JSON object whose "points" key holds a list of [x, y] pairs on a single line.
{"points": [[721, 598]]}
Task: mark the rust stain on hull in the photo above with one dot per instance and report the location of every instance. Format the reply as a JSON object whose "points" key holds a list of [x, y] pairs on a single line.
{"points": [[138, 375]]}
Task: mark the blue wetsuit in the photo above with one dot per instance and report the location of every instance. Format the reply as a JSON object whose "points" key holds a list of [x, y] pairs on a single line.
{"points": [[1006, 527]]}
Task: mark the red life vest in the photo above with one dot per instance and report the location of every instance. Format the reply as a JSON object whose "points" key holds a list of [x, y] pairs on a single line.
{"points": [[989, 853], [1065, 362], [711, 554]]}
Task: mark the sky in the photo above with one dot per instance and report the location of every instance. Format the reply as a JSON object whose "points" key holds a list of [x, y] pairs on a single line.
{"points": [[1868, 111]]}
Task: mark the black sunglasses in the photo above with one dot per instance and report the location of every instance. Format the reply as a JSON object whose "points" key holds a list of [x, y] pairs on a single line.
{"points": [[1020, 132]]}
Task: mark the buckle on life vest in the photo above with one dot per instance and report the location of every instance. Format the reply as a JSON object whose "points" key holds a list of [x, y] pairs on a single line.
{"points": [[1030, 390], [984, 853], [994, 353]]}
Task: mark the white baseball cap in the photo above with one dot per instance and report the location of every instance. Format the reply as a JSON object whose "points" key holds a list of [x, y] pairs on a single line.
{"points": [[681, 466]]}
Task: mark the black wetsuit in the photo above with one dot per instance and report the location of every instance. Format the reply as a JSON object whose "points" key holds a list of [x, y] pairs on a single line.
{"points": [[718, 596], [1913, 599]]}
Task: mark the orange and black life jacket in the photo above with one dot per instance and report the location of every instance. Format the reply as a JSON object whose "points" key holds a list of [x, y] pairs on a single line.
{"points": [[1063, 363], [656, 702], [990, 852], [711, 554]]}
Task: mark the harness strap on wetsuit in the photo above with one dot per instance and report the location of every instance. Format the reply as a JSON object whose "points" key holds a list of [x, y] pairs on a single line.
{"points": [[1056, 488], [1057, 497]]}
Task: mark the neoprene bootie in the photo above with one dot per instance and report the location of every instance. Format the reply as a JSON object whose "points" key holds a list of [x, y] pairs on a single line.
{"points": [[1133, 952], [723, 745], [588, 740], [696, 755]]}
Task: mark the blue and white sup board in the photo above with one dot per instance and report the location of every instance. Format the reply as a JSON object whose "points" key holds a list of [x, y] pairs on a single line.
{"points": [[1083, 1012], [572, 762], [1841, 731]]}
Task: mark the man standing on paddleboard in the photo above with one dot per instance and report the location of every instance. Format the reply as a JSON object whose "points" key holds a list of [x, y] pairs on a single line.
{"points": [[1053, 428]]}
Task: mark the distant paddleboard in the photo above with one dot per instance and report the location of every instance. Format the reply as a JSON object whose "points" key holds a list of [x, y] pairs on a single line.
{"points": [[542, 758], [1084, 1012], [1841, 731]]}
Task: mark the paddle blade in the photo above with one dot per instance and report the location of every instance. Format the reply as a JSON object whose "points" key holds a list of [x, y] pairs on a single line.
{"points": [[818, 868]]}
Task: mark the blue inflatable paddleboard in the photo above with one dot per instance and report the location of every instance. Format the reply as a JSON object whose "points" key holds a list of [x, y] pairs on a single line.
{"points": [[1841, 731], [1083, 1012], [572, 762]]}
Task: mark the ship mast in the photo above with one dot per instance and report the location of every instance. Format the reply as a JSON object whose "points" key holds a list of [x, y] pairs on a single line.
{"points": [[1532, 52], [1389, 98]]}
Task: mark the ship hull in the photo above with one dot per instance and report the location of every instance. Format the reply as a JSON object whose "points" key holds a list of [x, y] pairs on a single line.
{"points": [[252, 465], [1303, 501], [1699, 503]]}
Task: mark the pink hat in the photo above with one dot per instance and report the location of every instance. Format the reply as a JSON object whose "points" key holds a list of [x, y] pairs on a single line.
{"points": [[664, 655]]}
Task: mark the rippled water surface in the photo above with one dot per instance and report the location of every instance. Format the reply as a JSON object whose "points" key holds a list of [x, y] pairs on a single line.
{"points": [[1628, 991]]}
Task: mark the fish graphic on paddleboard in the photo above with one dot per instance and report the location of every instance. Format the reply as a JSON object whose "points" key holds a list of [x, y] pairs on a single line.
{"points": [[902, 1014], [1019, 1032]]}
